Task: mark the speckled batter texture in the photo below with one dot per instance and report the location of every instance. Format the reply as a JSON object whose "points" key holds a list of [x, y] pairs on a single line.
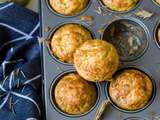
{"points": [[96, 60], [68, 7], [131, 89], [67, 39], [75, 95], [120, 5]]}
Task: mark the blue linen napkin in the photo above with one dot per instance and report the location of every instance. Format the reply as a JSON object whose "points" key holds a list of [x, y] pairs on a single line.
{"points": [[20, 68]]}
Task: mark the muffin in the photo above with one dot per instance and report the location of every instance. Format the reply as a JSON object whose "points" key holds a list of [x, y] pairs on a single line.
{"points": [[67, 39], [120, 5], [131, 89], [74, 95], [96, 60], [68, 7]]}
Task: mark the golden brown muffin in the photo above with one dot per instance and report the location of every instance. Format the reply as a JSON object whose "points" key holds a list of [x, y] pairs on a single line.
{"points": [[74, 95], [67, 39], [120, 5], [96, 60], [131, 89], [68, 7]]}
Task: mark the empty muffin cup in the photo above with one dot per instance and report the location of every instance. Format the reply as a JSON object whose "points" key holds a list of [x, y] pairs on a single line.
{"points": [[73, 96], [65, 39], [157, 34], [129, 36], [131, 91], [68, 8], [120, 6]]}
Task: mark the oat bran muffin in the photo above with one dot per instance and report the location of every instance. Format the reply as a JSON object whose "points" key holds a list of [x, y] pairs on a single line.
{"points": [[131, 89], [120, 5], [67, 39], [74, 95], [68, 7], [96, 60]]}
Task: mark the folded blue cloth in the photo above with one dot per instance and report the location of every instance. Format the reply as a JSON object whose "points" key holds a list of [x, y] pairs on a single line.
{"points": [[20, 68]]}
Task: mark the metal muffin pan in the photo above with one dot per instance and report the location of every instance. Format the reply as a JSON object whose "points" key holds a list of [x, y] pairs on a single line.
{"points": [[148, 62]]}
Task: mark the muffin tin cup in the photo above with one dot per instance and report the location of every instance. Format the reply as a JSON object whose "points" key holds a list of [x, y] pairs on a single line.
{"points": [[52, 87], [155, 34], [138, 110], [119, 12], [136, 23], [52, 33], [67, 16]]}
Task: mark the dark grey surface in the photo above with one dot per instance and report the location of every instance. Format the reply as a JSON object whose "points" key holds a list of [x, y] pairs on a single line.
{"points": [[149, 62]]}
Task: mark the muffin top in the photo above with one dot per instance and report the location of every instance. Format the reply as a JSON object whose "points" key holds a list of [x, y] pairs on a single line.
{"points": [[68, 7], [120, 5], [74, 95], [96, 60], [67, 39], [131, 89]]}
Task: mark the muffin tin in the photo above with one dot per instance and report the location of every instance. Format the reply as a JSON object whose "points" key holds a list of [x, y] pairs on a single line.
{"points": [[147, 61]]}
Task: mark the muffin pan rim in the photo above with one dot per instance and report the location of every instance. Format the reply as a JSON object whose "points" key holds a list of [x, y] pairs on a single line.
{"points": [[135, 118], [142, 25], [68, 16], [120, 12], [155, 34], [141, 69], [51, 33], [52, 87]]}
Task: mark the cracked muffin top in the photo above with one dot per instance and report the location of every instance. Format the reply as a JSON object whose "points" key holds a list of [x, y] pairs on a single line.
{"points": [[131, 89], [68, 7], [67, 39], [120, 5], [96, 60], [74, 95]]}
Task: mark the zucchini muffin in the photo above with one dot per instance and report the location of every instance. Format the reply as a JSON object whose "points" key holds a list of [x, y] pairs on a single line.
{"points": [[67, 39], [120, 5], [131, 89], [68, 7], [74, 95], [96, 60]]}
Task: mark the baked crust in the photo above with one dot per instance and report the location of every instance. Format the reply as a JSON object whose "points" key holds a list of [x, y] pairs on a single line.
{"points": [[131, 89], [96, 60], [68, 7], [67, 39], [120, 5], [75, 95]]}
